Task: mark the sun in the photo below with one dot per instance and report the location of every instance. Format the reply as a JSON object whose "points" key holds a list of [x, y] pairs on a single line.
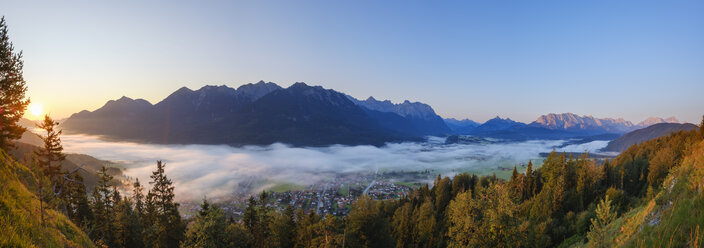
{"points": [[36, 109]]}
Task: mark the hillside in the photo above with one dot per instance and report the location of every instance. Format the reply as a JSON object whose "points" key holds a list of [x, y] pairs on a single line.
{"points": [[90, 165], [635, 137], [672, 218], [20, 221]]}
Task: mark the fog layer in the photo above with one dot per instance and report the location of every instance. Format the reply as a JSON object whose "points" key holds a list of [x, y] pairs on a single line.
{"points": [[220, 170]]}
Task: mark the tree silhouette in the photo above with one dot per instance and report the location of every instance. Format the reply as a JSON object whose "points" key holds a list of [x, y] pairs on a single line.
{"points": [[12, 90]]}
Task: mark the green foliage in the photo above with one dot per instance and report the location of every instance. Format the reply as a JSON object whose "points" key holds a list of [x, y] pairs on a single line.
{"points": [[367, 226], [20, 220], [604, 216], [12, 90], [51, 154], [163, 222], [488, 220], [208, 230]]}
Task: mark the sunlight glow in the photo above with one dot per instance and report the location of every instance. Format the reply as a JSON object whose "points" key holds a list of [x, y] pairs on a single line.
{"points": [[36, 109]]}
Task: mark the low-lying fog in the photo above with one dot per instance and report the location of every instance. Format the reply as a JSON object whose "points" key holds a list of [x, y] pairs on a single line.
{"points": [[219, 170]]}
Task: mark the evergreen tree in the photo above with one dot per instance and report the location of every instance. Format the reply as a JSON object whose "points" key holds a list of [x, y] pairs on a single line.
{"points": [[604, 216], [530, 181], [366, 225], [128, 228], [426, 226], [489, 220], [209, 229], [138, 198], [50, 155], [12, 90], [403, 226], [77, 201], [283, 228], [251, 217], [166, 224], [239, 236], [102, 207]]}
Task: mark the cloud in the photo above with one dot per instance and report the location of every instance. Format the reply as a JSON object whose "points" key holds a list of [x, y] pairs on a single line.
{"points": [[220, 170]]}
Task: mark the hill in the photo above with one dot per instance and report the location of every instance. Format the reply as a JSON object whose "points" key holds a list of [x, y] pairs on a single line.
{"points": [[627, 140], [674, 217], [20, 221], [90, 165]]}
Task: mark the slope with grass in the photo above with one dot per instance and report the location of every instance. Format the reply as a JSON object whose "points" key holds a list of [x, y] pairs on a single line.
{"points": [[673, 217], [20, 221]]}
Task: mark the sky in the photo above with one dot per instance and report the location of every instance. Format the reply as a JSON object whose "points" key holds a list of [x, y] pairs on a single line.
{"points": [[467, 59]]}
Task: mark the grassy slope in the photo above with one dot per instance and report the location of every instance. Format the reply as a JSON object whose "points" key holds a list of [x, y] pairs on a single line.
{"points": [[674, 217], [20, 221]]}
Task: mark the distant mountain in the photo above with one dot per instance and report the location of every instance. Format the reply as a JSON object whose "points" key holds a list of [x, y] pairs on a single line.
{"points": [[583, 124], [508, 129], [656, 120], [648, 133], [261, 113], [498, 124], [461, 126], [422, 117]]}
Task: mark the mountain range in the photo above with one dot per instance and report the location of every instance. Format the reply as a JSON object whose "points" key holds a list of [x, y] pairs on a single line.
{"points": [[553, 126], [261, 113], [304, 115]]}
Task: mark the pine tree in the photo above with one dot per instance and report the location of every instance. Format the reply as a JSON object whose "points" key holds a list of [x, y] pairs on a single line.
{"points": [[77, 201], [367, 226], [403, 225], [128, 228], [251, 217], [283, 228], [102, 207], [12, 90], [604, 216], [209, 229], [50, 155], [530, 181], [138, 198], [167, 226]]}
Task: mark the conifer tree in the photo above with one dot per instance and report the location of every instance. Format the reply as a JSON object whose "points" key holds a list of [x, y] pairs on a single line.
{"points": [[50, 155], [138, 198], [530, 181], [128, 228], [209, 229], [283, 228], [604, 216], [77, 201], [167, 226], [12, 90], [102, 207]]}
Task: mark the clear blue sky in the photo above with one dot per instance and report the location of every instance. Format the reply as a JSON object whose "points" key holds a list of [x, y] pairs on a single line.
{"points": [[476, 59]]}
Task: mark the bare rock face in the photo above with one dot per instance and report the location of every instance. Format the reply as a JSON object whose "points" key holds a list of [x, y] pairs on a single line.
{"points": [[656, 120], [572, 122]]}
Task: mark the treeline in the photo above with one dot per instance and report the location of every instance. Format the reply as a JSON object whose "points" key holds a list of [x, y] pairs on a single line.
{"points": [[109, 219], [567, 201]]}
